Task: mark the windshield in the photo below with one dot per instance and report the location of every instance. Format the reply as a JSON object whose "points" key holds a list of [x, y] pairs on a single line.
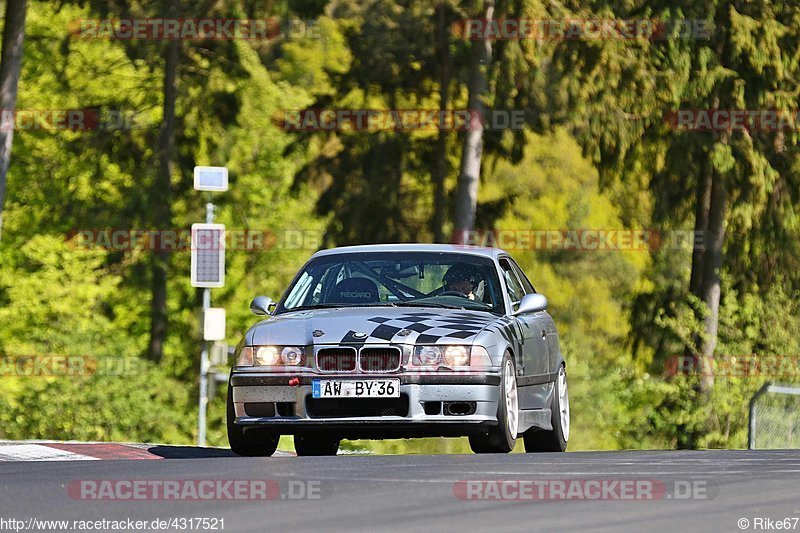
{"points": [[413, 279]]}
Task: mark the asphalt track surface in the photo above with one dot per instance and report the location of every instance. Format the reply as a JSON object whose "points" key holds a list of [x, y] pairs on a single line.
{"points": [[417, 493]]}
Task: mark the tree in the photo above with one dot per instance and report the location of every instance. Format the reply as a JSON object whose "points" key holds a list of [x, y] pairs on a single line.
{"points": [[470, 173], [63, 181], [367, 176], [444, 65], [170, 157], [10, 64], [162, 210], [736, 185]]}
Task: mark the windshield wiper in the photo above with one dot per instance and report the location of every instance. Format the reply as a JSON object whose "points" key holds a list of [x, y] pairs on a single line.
{"points": [[316, 306], [412, 303], [334, 306]]}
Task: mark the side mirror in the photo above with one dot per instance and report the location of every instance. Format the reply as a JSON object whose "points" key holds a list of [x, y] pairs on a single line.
{"points": [[531, 303], [261, 305]]}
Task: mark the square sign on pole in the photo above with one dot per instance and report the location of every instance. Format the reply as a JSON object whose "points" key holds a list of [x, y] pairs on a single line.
{"points": [[208, 255], [218, 355], [214, 324], [211, 178]]}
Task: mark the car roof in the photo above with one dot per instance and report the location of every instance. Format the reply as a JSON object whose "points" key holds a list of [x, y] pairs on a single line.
{"points": [[492, 253]]}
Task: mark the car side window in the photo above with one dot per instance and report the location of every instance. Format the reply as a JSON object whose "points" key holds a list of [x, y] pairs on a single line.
{"points": [[513, 287], [526, 284], [300, 291]]}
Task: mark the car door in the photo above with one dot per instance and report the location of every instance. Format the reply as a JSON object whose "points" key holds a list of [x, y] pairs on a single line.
{"points": [[546, 321], [534, 345]]}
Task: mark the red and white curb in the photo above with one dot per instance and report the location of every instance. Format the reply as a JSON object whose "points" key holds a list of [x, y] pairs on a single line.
{"points": [[11, 451], [65, 451]]}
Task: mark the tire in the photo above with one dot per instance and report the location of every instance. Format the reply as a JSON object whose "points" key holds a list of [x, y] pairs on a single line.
{"points": [[503, 437], [555, 440], [315, 444], [254, 443]]}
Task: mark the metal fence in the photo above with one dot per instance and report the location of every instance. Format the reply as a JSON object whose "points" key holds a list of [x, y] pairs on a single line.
{"points": [[775, 417]]}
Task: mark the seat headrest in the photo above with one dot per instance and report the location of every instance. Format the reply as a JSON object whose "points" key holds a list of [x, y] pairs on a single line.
{"points": [[355, 291]]}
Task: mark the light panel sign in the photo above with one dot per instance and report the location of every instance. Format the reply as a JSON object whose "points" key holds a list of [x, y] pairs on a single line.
{"points": [[211, 179], [208, 255]]}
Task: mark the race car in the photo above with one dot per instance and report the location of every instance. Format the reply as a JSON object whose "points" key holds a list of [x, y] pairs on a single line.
{"points": [[401, 341]]}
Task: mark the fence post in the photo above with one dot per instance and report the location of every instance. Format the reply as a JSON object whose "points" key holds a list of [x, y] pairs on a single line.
{"points": [[751, 433]]}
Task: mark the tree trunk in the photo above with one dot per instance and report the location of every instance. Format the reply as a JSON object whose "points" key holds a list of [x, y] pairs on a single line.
{"points": [[712, 264], [10, 64], [702, 206], [440, 166], [470, 172], [162, 210]]}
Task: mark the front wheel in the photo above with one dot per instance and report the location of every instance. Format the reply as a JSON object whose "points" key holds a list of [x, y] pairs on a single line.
{"points": [[555, 440], [503, 437], [255, 443]]}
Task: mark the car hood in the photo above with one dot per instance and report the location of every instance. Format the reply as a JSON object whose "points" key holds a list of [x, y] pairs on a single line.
{"points": [[375, 325]]}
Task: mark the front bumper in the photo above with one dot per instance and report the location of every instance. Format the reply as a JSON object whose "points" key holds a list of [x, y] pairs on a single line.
{"points": [[481, 392]]}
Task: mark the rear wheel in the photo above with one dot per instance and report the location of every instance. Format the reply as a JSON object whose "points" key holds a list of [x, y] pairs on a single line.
{"points": [[254, 443], [503, 437], [555, 440], [316, 444]]}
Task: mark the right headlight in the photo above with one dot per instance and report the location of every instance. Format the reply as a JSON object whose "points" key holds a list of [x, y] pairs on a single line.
{"points": [[271, 356]]}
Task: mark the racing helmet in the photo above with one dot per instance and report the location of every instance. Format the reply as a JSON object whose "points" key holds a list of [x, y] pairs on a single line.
{"points": [[462, 272]]}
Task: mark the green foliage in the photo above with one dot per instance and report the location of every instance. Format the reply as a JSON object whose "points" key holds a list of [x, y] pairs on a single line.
{"points": [[554, 188], [147, 406], [57, 296], [669, 413], [56, 300]]}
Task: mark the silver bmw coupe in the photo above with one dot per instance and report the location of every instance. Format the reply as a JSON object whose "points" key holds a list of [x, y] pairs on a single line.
{"points": [[399, 341]]}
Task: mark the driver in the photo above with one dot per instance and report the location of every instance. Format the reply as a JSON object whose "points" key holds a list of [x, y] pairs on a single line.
{"points": [[461, 278]]}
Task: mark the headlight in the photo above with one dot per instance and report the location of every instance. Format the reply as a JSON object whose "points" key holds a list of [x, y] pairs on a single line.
{"points": [[456, 355], [427, 355], [292, 355], [267, 355], [271, 356], [441, 355]]}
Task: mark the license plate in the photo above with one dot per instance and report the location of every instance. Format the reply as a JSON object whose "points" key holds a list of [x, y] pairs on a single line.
{"points": [[355, 388]]}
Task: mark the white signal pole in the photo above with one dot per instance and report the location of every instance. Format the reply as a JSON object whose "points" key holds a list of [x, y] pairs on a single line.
{"points": [[204, 364], [208, 270]]}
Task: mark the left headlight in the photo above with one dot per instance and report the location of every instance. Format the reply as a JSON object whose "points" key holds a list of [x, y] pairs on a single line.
{"points": [[456, 355], [271, 356]]}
